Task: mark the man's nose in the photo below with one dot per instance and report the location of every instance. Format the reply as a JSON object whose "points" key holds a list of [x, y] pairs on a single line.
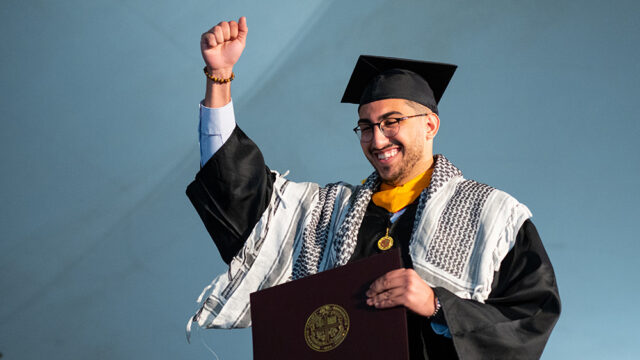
{"points": [[379, 139]]}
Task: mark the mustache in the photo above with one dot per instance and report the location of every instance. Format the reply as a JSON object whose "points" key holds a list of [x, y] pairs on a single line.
{"points": [[384, 147]]}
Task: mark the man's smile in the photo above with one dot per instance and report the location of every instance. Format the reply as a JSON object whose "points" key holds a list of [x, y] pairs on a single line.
{"points": [[386, 155]]}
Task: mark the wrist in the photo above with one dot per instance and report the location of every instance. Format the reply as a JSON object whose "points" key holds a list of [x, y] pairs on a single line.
{"points": [[436, 308], [223, 73], [218, 89]]}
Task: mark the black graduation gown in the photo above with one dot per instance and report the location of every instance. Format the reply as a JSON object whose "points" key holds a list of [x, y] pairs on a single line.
{"points": [[233, 189]]}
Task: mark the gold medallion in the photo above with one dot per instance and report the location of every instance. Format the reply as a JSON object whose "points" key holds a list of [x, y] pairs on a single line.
{"points": [[326, 327], [385, 242]]}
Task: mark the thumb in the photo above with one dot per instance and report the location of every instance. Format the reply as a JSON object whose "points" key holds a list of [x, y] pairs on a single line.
{"points": [[242, 29]]}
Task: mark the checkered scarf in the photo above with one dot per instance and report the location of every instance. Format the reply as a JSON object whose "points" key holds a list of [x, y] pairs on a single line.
{"points": [[462, 231]]}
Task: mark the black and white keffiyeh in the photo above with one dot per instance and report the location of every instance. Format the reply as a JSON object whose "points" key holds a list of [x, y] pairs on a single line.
{"points": [[462, 231]]}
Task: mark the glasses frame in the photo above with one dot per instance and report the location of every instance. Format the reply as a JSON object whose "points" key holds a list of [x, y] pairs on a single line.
{"points": [[382, 128]]}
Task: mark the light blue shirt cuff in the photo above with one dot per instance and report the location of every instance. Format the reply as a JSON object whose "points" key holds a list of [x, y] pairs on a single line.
{"points": [[441, 330], [215, 128]]}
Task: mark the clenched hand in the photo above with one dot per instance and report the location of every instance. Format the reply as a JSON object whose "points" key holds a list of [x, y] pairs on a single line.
{"points": [[222, 46]]}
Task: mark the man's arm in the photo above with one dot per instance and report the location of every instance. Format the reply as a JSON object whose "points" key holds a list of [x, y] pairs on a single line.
{"points": [[231, 192], [233, 187], [514, 322], [517, 318], [215, 127], [221, 48]]}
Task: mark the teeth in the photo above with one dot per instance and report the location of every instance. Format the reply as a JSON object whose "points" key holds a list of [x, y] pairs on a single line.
{"points": [[387, 154]]}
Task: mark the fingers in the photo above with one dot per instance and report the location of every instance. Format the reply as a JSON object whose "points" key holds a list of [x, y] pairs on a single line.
{"points": [[242, 29], [389, 298], [233, 28], [217, 32], [402, 287], [392, 279], [208, 40], [225, 31]]}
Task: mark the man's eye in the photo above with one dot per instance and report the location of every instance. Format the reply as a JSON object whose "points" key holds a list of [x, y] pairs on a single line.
{"points": [[389, 122], [365, 128]]}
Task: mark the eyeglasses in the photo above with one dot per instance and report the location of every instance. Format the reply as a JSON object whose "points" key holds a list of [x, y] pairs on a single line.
{"points": [[388, 126]]}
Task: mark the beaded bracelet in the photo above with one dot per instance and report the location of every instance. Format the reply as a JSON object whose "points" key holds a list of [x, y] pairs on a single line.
{"points": [[438, 306], [218, 80]]}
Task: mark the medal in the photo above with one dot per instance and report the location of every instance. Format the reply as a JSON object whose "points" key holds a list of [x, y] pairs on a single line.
{"points": [[385, 242]]}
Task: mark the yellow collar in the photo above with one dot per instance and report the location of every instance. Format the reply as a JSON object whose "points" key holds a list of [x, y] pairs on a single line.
{"points": [[394, 198]]}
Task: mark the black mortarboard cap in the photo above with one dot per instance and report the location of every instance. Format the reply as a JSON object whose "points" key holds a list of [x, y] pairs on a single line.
{"points": [[377, 78]]}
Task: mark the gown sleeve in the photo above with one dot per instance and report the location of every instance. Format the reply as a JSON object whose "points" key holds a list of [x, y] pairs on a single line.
{"points": [[231, 191], [522, 309]]}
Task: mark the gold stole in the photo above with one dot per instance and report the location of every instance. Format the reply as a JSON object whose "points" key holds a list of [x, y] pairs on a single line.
{"points": [[395, 198]]}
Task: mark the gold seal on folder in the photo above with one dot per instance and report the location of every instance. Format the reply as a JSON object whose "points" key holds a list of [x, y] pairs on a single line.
{"points": [[326, 327]]}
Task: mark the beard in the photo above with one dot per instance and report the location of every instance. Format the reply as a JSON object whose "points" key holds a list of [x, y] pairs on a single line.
{"points": [[400, 175], [412, 155]]}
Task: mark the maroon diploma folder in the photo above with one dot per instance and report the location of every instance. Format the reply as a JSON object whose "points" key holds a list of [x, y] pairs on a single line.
{"points": [[325, 316]]}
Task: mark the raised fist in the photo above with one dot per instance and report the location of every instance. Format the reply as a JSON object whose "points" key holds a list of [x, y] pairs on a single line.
{"points": [[222, 46]]}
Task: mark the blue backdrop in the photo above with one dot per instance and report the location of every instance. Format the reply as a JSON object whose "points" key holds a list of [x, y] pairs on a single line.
{"points": [[102, 256]]}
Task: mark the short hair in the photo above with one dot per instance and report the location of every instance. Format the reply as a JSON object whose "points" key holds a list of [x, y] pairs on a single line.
{"points": [[421, 109]]}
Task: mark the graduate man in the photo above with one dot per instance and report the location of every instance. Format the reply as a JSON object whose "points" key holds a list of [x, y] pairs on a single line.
{"points": [[477, 283]]}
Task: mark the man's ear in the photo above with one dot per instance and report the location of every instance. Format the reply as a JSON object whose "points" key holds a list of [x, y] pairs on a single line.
{"points": [[432, 125]]}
